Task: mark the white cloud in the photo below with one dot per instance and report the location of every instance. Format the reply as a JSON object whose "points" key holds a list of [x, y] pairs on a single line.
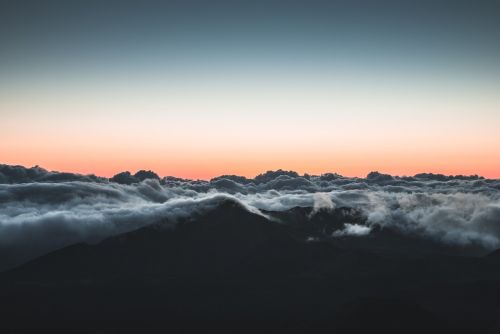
{"points": [[352, 230], [37, 216]]}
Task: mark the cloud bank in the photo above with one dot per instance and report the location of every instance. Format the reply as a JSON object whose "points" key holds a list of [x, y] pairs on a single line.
{"points": [[41, 211]]}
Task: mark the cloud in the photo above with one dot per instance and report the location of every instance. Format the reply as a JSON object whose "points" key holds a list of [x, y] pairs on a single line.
{"points": [[352, 230], [20, 174], [41, 211], [322, 201], [127, 178], [457, 218], [37, 218]]}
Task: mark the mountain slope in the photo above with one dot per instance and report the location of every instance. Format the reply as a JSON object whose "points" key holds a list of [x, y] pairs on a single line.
{"points": [[230, 270]]}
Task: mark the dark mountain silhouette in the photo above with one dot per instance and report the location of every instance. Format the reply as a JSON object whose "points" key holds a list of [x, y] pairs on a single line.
{"points": [[494, 256], [230, 270]]}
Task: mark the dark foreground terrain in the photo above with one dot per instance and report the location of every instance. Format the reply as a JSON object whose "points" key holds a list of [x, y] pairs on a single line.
{"points": [[232, 271]]}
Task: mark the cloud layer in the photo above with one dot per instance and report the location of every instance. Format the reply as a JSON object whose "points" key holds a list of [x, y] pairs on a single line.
{"points": [[41, 211]]}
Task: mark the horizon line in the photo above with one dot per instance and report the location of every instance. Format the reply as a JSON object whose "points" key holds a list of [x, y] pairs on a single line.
{"points": [[279, 170]]}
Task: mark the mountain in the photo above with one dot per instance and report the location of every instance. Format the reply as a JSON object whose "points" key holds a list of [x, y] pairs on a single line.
{"points": [[230, 270]]}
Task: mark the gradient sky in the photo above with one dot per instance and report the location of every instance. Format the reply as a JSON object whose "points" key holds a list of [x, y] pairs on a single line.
{"points": [[202, 88]]}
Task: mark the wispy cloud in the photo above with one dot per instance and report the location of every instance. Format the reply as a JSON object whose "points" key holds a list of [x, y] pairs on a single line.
{"points": [[41, 211]]}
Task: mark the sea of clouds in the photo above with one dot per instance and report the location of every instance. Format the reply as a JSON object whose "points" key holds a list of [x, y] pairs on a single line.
{"points": [[42, 211]]}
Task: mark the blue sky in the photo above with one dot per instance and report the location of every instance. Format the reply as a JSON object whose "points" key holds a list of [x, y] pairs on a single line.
{"points": [[394, 85]]}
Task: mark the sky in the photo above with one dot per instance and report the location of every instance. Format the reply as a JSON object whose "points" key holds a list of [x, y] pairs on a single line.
{"points": [[198, 89]]}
